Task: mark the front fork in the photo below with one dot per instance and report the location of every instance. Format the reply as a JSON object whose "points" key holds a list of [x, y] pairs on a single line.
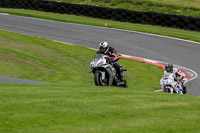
{"points": [[172, 90], [103, 74]]}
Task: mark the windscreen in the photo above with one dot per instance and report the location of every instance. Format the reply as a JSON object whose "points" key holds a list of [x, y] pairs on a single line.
{"points": [[98, 56]]}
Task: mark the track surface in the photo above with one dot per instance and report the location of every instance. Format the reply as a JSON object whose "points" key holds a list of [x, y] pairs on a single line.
{"points": [[164, 49], [22, 81]]}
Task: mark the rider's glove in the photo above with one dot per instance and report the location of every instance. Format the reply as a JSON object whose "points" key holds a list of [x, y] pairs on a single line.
{"points": [[182, 78], [111, 60]]}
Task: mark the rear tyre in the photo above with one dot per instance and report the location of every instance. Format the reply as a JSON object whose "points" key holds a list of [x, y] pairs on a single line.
{"points": [[184, 90], [125, 84]]}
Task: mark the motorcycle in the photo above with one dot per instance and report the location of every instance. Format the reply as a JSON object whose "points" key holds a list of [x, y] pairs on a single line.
{"points": [[169, 85], [104, 72]]}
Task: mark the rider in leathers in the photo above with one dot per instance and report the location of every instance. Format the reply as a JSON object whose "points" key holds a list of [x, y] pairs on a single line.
{"points": [[169, 69], [105, 49]]}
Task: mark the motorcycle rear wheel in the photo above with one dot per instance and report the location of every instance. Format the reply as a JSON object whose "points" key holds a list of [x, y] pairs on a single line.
{"points": [[125, 84], [184, 90]]}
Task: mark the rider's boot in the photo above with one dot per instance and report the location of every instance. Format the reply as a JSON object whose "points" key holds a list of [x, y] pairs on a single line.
{"points": [[181, 92], [121, 78]]}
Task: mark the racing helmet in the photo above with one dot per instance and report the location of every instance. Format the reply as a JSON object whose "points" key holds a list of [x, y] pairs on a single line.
{"points": [[103, 47], [169, 67]]}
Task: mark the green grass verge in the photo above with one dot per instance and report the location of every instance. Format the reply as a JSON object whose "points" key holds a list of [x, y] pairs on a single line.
{"points": [[84, 109], [172, 32], [181, 7]]}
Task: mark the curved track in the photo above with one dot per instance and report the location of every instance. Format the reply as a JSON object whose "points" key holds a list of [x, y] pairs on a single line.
{"points": [[179, 52]]}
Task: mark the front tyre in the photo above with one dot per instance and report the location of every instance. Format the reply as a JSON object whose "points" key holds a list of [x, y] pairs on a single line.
{"points": [[98, 79], [167, 89]]}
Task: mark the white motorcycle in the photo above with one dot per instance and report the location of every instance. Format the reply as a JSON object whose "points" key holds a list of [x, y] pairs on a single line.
{"points": [[104, 73], [169, 85]]}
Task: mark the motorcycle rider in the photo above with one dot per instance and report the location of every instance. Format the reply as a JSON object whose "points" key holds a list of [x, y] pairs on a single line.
{"points": [[169, 69], [105, 49]]}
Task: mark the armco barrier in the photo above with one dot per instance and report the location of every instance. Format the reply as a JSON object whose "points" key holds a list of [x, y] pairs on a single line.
{"points": [[152, 18]]}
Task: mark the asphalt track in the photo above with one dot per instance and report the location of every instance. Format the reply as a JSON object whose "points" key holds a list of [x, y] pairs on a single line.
{"points": [[183, 53], [22, 81]]}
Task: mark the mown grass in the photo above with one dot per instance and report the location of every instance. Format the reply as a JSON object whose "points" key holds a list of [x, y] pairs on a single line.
{"points": [[172, 32], [181, 7], [89, 109]]}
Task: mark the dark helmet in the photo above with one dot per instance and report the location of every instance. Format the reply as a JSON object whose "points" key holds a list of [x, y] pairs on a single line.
{"points": [[169, 67], [103, 47]]}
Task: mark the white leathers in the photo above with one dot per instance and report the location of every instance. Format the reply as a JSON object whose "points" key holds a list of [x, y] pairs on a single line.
{"points": [[172, 80], [175, 72]]}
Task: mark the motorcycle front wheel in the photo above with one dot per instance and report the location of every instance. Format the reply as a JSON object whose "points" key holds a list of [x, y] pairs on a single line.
{"points": [[167, 90], [98, 79]]}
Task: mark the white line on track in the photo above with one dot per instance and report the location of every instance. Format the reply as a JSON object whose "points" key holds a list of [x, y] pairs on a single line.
{"points": [[4, 13]]}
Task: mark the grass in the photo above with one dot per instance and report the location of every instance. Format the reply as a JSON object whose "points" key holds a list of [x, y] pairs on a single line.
{"points": [[181, 7], [89, 109], [172, 32]]}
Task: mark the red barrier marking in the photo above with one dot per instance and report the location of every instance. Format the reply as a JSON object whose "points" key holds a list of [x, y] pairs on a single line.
{"points": [[184, 70], [160, 64]]}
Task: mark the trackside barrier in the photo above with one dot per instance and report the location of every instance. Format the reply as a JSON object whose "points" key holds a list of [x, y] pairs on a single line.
{"points": [[124, 15]]}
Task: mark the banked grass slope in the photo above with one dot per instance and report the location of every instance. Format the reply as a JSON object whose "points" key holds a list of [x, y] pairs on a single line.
{"points": [[180, 7]]}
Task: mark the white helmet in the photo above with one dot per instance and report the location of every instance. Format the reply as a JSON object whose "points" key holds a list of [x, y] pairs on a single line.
{"points": [[103, 47]]}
